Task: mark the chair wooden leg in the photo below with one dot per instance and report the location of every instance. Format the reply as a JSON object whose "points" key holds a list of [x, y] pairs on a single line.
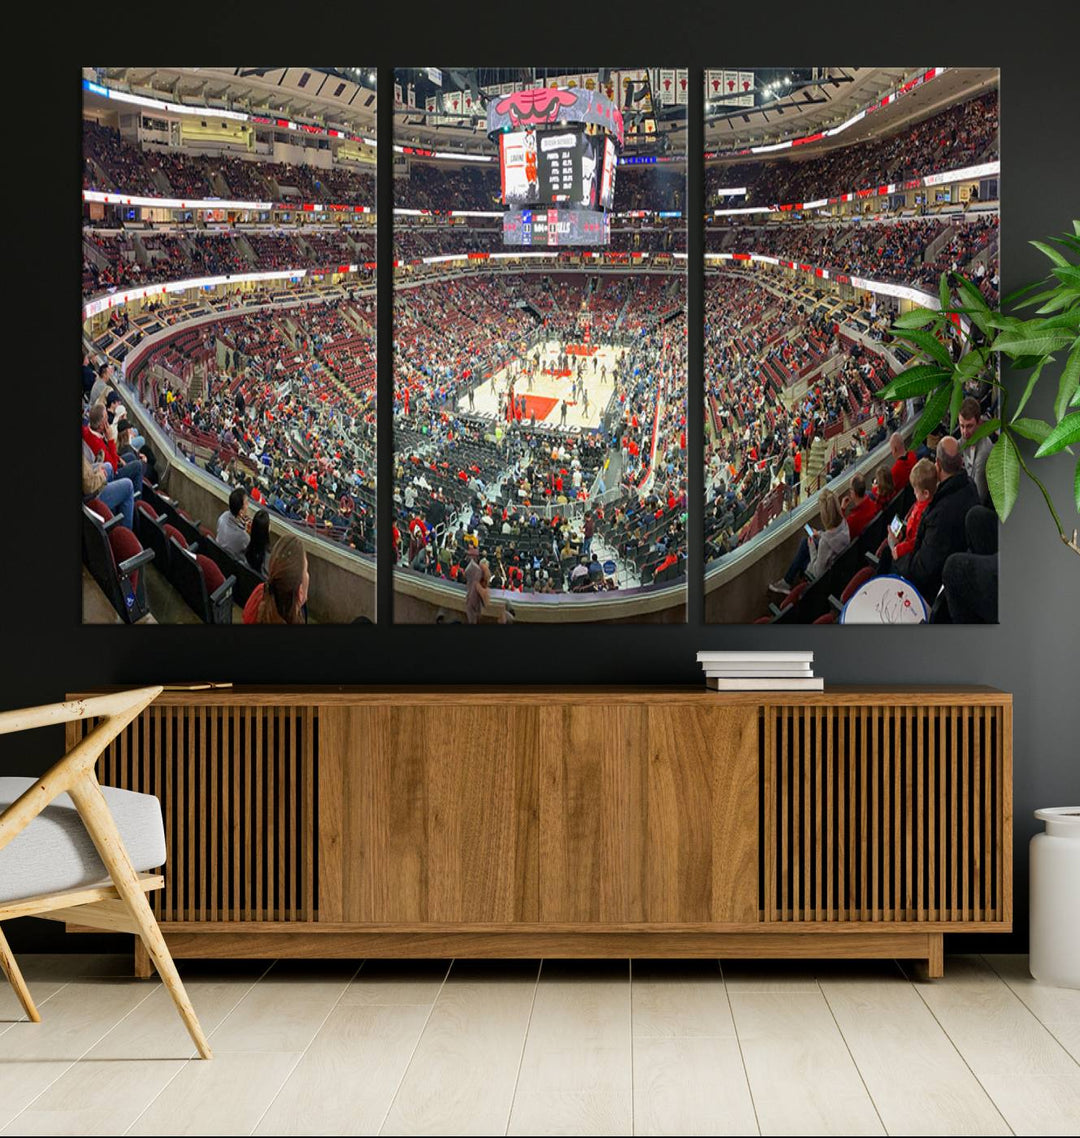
{"points": [[15, 979], [106, 838]]}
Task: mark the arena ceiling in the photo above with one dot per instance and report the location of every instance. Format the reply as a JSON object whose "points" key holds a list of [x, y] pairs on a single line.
{"points": [[837, 94], [341, 96]]}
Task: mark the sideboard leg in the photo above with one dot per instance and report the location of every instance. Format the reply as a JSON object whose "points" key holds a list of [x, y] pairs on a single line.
{"points": [[142, 960], [935, 964]]}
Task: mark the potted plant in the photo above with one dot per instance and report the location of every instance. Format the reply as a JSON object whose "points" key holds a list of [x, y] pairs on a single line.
{"points": [[957, 346]]}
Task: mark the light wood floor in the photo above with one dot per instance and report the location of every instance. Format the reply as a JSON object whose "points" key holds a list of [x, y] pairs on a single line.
{"points": [[516, 1047]]}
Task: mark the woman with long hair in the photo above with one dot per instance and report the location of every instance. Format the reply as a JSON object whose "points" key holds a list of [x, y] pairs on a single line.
{"points": [[281, 598], [255, 554]]}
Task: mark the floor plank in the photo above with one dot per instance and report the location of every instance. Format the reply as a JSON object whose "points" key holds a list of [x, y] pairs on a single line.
{"points": [[691, 1084], [154, 1030], [1033, 1080], [576, 1071], [397, 982], [918, 1081], [1058, 1009], [96, 1097], [227, 1095], [347, 1078], [801, 1076], [679, 998], [461, 1079], [34, 1055], [285, 1009]]}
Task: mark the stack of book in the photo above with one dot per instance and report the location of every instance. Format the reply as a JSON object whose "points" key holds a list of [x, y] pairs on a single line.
{"points": [[760, 671]]}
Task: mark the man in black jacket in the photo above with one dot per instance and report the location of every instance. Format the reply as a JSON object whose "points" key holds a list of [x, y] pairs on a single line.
{"points": [[941, 531]]}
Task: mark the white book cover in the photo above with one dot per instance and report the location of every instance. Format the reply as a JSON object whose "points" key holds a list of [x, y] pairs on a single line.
{"points": [[782, 684], [758, 667], [750, 657], [759, 674]]}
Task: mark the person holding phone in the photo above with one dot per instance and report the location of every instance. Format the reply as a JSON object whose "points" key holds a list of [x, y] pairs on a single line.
{"points": [[924, 480], [819, 548]]}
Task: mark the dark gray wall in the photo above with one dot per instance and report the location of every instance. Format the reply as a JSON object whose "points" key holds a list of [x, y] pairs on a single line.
{"points": [[1032, 653]]}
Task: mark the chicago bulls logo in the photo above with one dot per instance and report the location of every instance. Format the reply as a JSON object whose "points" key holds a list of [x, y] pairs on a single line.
{"points": [[539, 105]]}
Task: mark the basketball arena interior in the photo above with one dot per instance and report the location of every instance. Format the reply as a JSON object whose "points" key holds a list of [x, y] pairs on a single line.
{"points": [[229, 318], [835, 199], [539, 345], [539, 270]]}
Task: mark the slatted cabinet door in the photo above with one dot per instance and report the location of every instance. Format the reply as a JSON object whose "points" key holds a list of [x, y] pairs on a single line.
{"points": [[896, 813]]}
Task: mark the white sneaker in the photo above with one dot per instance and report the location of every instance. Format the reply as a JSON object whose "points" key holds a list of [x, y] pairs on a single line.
{"points": [[780, 586]]}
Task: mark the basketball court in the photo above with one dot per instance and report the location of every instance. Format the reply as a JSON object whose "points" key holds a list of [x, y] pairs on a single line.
{"points": [[546, 383]]}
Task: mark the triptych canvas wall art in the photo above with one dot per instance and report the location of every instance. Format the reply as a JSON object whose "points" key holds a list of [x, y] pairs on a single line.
{"points": [[541, 403]]}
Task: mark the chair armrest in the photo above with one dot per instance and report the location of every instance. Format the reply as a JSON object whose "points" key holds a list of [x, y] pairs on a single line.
{"points": [[774, 608], [835, 602], [223, 590], [143, 557], [115, 520], [71, 710], [873, 558]]}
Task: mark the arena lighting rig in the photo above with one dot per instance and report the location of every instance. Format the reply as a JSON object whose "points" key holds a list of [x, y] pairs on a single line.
{"points": [[558, 149]]}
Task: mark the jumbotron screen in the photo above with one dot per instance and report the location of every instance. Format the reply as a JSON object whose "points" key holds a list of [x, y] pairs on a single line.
{"points": [[556, 227], [549, 167]]}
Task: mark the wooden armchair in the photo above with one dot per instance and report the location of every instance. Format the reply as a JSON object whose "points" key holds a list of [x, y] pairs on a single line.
{"points": [[57, 875]]}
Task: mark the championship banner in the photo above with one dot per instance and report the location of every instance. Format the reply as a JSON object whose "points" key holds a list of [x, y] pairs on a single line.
{"points": [[544, 105], [589, 83], [746, 85], [666, 92], [714, 84], [397, 94], [611, 86], [682, 87], [410, 95]]}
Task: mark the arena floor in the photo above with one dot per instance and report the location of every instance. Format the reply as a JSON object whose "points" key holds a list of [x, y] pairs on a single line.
{"points": [[545, 391]]}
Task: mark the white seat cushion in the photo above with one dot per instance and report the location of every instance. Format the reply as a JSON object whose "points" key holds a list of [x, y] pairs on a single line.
{"points": [[55, 852]]}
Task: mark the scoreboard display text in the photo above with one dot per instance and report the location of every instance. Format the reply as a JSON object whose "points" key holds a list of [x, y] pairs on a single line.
{"points": [[557, 167], [555, 228]]}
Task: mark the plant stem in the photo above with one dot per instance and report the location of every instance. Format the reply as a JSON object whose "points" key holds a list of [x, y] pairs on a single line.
{"points": [[1073, 545]]}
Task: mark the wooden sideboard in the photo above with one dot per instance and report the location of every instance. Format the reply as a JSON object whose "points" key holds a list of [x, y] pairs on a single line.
{"points": [[596, 821]]}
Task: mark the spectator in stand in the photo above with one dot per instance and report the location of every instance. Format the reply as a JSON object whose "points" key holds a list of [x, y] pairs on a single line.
{"points": [[970, 579], [820, 549], [903, 461], [94, 435], [883, 490], [89, 376], [258, 547], [858, 507], [975, 454], [118, 495], [232, 526], [282, 597], [127, 448], [924, 480], [477, 583], [941, 532]]}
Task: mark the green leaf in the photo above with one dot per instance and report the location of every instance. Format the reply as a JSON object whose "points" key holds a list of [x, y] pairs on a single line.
{"points": [[977, 308], [1067, 239], [1003, 475], [1076, 227], [935, 408], [944, 292], [1039, 297], [1068, 384], [1067, 274], [915, 381], [1016, 294], [984, 429], [971, 363], [1031, 341], [1032, 380], [1063, 298], [1052, 253], [954, 403], [916, 318], [928, 344], [1063, 435], [1034, 429], [1075, 401]]}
